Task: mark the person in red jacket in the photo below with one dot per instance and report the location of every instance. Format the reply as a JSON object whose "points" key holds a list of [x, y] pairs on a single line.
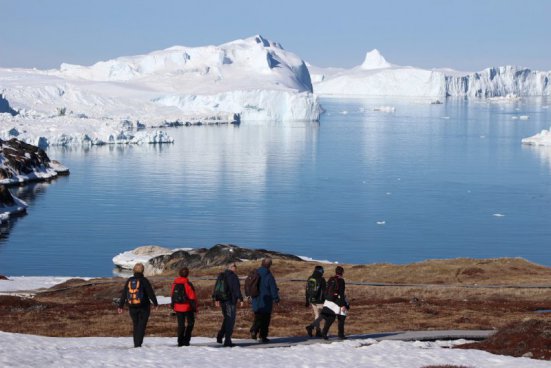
{"points": [[184, 303]]}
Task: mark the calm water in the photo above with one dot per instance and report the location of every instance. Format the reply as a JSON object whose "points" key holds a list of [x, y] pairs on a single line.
{"points": [[360, 186]]}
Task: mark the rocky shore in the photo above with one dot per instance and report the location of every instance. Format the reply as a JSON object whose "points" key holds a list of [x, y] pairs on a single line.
{"points": [[21, 163]]}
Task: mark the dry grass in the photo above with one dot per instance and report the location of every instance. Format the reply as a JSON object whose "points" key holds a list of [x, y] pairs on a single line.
{"points": [[531, 338], [84, 308]]}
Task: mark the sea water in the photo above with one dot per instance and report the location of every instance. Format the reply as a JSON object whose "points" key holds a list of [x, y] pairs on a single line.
{"points": [[376, 180]]}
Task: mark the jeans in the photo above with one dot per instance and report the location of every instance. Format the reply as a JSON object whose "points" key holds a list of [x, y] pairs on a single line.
{"points": [[226, 331]]}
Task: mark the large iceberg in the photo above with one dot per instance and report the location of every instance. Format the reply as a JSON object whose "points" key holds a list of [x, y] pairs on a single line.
{"points": [[376, 77], [243, 80]]}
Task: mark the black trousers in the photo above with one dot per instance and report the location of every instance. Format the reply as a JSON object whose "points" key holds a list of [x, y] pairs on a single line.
{"points": [[186, 321], [226, 331], [261, 324], [139, 316], [329, 319]]}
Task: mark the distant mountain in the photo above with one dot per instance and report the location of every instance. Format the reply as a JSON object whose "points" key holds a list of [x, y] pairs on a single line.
{"points": [[376, 77]]}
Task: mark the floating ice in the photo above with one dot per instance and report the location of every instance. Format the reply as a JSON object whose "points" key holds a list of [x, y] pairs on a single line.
{"points": [[543, 138]]}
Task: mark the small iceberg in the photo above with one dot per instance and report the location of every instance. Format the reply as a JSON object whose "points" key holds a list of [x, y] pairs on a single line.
{"points": [[385, 109], [543, 138]]}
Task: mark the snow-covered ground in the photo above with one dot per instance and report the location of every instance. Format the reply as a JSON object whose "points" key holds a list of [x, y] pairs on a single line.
{"points": [[30, 283], [18, 350], [249, 79], [377, 77]]}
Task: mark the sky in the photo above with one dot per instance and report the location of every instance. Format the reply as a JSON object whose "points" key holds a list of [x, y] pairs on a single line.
{"points": [[466, 35]]}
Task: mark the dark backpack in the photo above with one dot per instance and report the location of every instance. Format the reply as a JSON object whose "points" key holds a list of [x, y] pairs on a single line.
{"points": [[179, 296], [252, 284], [221, 292], [134, 292], [313, 290], [332, 290]]}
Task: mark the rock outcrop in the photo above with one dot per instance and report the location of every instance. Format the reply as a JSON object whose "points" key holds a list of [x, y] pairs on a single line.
{"points": [[218, 255], [21, 162]]}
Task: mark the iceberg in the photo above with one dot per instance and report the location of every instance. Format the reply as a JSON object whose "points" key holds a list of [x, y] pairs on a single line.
{"points": [[542, 138], [239, 81], [376, 77]]}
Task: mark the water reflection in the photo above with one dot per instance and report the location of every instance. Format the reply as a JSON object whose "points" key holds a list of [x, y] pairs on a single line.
{"points": [[543, 153], [28, 193]]}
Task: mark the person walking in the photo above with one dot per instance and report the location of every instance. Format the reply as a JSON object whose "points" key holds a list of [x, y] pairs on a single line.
{"points": [[263, 303], [227, 299], [184, 303], [336, 304], [139, 294], [315, 290]]}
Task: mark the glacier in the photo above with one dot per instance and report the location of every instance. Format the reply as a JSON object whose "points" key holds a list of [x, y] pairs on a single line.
{"points": [[377, 77], [123, 99]]}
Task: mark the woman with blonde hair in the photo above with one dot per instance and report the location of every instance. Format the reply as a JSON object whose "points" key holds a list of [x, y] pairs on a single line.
{"points": [[137, 293]]}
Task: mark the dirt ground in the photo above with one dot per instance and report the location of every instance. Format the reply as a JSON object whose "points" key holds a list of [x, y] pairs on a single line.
{"points": [[431, 295]]}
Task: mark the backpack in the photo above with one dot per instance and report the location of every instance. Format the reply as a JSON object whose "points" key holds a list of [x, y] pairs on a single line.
{"points": [[332, 290], [252, 284], [179, 296], [221, 292], [134, 292], [313, 290]]}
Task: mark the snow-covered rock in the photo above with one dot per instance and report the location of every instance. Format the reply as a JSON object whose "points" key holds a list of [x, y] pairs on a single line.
{"points": [[127, 260], [377, 77], [21, 162], [253, 79]]}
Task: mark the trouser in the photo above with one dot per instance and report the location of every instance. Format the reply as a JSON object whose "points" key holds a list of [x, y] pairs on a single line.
{"points": [[139, 316], [329, 319], [185, 330], [261, 324], [317, 316], [226, 331]]}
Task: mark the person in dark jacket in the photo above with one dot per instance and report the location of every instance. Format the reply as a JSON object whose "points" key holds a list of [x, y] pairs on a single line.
{"points": [[263, 303], [315, 297], [229, 305], [138, 293], [336, 304], [185, 311]]}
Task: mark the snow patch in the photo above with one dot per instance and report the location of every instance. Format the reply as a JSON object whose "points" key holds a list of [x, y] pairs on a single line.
{"points": [[19, 350]]}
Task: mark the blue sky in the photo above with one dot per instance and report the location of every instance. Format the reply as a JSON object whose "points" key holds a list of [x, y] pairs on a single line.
{"points": [[465, 35]]}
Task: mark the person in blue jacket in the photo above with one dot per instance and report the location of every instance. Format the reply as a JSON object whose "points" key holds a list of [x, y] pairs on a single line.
{"points": [[263, 303]]}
